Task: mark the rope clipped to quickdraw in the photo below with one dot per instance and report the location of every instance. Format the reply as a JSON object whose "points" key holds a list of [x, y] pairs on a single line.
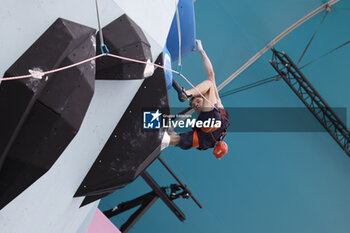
{"points": [[103, 47]]}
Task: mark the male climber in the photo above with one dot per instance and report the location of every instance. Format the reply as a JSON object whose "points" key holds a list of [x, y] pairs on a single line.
{"points": [[208, 108]]}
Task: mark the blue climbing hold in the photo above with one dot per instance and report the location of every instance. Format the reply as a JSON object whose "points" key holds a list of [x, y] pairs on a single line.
{"points": [[167, 64], [188, 31]]}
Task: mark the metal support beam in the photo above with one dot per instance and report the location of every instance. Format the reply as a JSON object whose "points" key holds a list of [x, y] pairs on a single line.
{"points": [[180, 182], [147, 200], [162, 195], [311, 98], [138, 214], [125, 206]]}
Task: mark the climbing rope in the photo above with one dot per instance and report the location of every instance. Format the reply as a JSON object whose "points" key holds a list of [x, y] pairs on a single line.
{"points": [[103, 47], [164, 68], [105, 52], [39, 74], [179, 66]]}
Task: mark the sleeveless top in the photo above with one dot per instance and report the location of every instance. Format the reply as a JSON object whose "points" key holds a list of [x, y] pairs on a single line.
{"points": [[210, 139]]}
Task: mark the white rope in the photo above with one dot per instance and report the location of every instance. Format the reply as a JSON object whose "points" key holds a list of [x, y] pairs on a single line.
{"points": [[99, 24], [178, 32]]}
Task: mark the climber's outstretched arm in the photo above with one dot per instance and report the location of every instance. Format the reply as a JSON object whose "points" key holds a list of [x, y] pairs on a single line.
{"points": [[209, 70]]}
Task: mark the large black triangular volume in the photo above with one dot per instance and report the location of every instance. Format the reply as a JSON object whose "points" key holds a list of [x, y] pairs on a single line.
{"points": [[130, 149], [39, 117], [125, 38]]}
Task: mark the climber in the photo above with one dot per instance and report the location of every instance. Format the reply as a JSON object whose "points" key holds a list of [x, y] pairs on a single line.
{"points": [[207, 108]]}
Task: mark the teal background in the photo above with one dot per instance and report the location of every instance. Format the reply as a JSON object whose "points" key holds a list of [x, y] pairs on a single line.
{"points": [[269, 182]]}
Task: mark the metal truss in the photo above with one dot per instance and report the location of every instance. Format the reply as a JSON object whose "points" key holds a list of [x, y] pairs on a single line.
{"points": [[311, 98]]}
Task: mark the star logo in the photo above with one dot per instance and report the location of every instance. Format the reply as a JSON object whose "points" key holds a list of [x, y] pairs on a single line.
{"points": [[156, 115], [151, 119]]}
